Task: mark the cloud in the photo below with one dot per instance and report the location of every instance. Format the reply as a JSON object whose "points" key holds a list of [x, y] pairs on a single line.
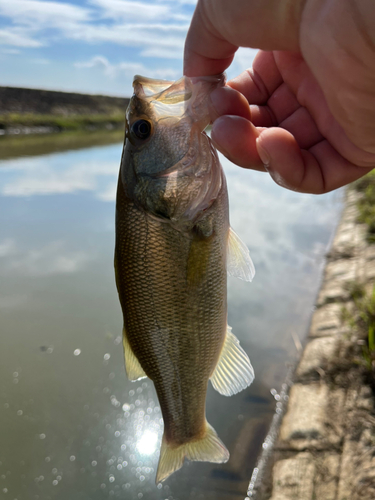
{"points": [[126, 10], [129, 10], [111, 70], [155, 30], [18, 38], [88, 24], [114, 70], [40, 61], [242, 61], [133, 35], [183, 2], [37, 14], [244, 58], [10, 51], [121, 22], [30, 18], [163, 53]]}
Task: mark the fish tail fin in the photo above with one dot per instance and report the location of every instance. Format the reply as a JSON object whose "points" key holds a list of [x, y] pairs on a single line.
{"points": [[209, 448]]}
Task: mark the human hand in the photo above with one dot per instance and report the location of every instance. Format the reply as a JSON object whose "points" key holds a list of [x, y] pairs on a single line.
{"points": [[305, 112]]}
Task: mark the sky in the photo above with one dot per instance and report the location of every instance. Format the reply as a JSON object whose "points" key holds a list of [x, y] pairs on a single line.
{"points": [[95, 46]]}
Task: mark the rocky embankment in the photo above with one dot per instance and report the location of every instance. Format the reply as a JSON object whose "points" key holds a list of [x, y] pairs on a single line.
{"points": [[38, 111], [326, 444]]}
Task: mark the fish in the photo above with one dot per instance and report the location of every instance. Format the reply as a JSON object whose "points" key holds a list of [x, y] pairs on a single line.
{"points": [[174, 248]]}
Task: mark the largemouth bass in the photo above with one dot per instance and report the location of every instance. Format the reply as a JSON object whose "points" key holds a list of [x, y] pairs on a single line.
{"points": [[174, 247]]}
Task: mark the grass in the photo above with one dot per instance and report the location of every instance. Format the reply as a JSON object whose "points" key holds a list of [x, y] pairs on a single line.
{"points": [[14, 146], [361, 320], [366, 204], [360, 315], [66, 123]]}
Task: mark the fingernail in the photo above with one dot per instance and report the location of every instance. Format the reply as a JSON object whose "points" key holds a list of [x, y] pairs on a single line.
{"points": [[263, 153]]}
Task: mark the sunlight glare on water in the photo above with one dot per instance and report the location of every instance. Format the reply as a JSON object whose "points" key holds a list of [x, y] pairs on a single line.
{"points": [[146, 445]]}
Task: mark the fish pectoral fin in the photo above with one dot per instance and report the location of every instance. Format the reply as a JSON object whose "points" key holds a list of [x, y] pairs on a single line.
{"points": [[239, 263], [209, 448], [233, 372], [134, 370]]}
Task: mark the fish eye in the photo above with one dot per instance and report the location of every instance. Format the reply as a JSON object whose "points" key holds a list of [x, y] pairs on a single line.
{"points": [[141, 129]]}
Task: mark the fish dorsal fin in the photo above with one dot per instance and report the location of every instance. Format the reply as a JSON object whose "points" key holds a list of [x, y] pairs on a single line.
{"points": [[134, 370], [239, 263], [233, 372]]}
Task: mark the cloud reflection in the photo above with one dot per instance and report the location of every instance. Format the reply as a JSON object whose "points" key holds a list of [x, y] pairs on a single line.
{"points": [[12, 301], [7, 247], [62, 174], [50, 259]]}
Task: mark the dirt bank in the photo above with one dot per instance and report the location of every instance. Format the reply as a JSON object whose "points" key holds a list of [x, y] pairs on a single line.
{"points": [[42, 111]]}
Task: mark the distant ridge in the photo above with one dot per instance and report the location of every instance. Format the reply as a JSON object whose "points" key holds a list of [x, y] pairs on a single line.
{"points": [[48, 102]]}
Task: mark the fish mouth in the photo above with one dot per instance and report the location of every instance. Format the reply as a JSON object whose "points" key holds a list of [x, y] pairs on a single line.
{"points": [[172, 100], [163, 91], [147, 87]]}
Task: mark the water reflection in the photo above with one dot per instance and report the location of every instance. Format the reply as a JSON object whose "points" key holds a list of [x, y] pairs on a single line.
{"points": [[69, 172], [75, 426], [49, 259]]}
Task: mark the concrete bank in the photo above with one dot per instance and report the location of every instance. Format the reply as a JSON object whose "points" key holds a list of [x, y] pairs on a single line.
{"points": [[326, 444]]}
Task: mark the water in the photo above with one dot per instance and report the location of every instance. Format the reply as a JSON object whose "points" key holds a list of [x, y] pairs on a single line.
{"points": [[72, 425]]}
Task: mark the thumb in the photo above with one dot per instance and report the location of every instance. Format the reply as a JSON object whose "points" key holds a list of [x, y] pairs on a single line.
{"points": [[219, 27]]}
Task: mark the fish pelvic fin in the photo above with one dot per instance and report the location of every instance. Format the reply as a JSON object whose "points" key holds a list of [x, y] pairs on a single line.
{"points": [[134, 370], [209, 448], [239, 263], [233, 372]]}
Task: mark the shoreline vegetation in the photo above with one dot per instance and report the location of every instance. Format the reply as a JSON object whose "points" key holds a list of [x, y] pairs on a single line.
{"points": [[31, 111], [15, 124], [14, 146], [325, 444]]}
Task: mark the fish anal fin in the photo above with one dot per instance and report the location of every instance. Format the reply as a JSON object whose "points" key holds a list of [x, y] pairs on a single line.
{"points": [[233, 372], [134, 370], [239, 263], [209, 448]]}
